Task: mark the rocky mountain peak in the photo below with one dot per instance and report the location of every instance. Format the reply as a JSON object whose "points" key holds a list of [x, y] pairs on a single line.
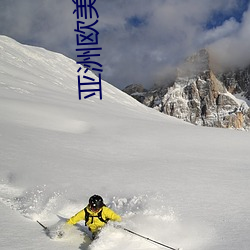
{"points": [[196, 64], [202, 97]]}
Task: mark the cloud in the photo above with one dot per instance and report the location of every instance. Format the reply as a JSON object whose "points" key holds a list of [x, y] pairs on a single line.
{"points": [[141, 40], [233, 49], [47, 23], [228, 28], [171, 31]]}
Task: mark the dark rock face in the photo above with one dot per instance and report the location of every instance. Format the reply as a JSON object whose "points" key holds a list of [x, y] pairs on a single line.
{"points": [[137, 91], [237, 81], [201, 97]]}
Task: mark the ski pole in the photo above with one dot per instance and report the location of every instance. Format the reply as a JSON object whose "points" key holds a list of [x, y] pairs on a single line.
{"points": [[146, 238], [45, 228]]}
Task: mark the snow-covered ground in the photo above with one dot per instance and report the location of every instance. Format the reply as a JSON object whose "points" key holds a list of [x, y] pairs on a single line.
{"points": [[181, 185]]}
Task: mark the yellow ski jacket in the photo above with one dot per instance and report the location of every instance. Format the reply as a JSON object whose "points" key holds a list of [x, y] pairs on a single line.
{"points": [[94, 223]]}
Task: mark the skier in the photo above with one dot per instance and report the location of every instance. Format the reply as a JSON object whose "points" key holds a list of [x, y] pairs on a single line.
{"points": [[95, 214]]}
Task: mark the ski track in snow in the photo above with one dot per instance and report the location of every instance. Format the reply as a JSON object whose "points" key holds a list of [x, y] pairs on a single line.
{"points": [[43, 117]]}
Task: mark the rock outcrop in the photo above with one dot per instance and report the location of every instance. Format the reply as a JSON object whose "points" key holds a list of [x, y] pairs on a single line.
{"points": [[199, 96]]}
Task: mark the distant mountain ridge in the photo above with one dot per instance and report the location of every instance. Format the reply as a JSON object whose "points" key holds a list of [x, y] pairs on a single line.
{"points": [[202, 96]]}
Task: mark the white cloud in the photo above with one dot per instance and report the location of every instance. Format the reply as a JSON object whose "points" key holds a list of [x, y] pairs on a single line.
{"points": [[171, 31], [233, 50], [228, 28]]}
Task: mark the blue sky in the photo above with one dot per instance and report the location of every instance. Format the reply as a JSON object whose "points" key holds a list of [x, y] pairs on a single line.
{"points": [[142, 40], [218, 17]]}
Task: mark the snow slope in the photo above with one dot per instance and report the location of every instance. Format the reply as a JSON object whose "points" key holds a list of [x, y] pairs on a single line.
{"points": [[176, 183]]}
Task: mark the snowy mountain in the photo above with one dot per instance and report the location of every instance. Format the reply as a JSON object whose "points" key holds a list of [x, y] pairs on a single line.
{"points": [[201, 96], [182, 185]]}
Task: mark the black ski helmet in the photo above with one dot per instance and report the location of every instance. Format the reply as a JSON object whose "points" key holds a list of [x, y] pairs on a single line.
{"points": [[96, 202]]}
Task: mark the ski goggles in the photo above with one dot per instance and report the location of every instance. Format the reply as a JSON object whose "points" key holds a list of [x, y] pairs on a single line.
{"points": [[94, 208]]}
